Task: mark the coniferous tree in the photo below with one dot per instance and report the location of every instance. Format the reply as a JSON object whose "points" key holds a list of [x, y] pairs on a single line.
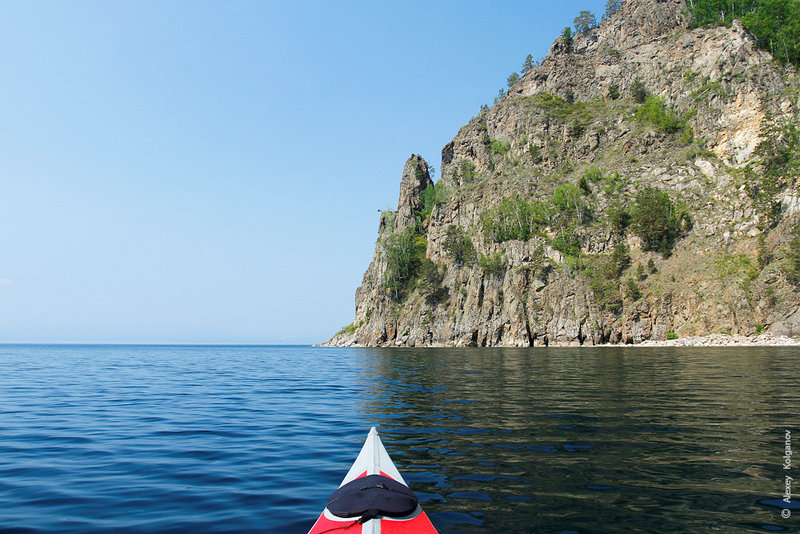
{"points": [[500, 94], [566, 35], [657, 221], [584, 21], [527, 65], [632, 291], [458, 245], [512, 79], [640, 272], [612, 6]]}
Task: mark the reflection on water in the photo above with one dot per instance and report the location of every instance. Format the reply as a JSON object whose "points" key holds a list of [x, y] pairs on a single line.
{"points": [[589, 440], [137, 439]]}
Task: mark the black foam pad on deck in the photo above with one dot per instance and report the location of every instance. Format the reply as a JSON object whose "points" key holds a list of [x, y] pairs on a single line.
{"points": [[371, 496]]}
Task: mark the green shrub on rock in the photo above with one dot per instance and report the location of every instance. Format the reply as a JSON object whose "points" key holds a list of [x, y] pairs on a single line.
{"points": [[514, 218], [605, 275], [493, 264], [779, 159], [632, 290], [433, 195], [583, 183], [657, 221], [430, 281], [500, 147], [468, 173], [619, 260], [606, 293], [618, 218], [568, 241], [458, 245], [593, 174], [570, 204], [404, 252], [654, 111]]}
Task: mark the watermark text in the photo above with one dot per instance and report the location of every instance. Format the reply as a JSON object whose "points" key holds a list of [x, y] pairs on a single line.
{"points": [[787, 466]]}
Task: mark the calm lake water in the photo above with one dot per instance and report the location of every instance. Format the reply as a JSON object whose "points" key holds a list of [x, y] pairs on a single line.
{"points": [[254, 439]]}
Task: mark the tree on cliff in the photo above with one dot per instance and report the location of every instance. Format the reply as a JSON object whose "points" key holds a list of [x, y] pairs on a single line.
{"points": [[584, 21], [568, 200], [719, 11], [458, 245], [566, 35], [612, 6], [404, 254], [527, 65], [778, 167], [774, 23], [512, 79], [657, 221], [500, 95]]}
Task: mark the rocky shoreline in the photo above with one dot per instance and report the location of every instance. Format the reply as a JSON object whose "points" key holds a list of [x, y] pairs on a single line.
{"points": [[712, 340], [724, 340]]}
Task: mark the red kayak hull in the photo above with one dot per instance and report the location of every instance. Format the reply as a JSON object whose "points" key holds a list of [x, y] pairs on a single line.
{"points": [[373, 459]]}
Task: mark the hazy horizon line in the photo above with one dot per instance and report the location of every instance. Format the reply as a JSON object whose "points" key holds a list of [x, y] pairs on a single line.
{"points": [[156, 344]]}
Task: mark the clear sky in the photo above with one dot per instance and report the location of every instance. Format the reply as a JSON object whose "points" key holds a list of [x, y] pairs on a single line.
{"points": [[212, 171]]}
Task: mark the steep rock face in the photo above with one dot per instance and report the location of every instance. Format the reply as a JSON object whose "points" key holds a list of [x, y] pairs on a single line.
{"points": [[725, 274], [654, 47], [416, 178]]}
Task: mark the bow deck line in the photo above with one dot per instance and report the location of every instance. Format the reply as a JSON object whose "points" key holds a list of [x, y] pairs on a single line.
{"points": [[373, 498]]}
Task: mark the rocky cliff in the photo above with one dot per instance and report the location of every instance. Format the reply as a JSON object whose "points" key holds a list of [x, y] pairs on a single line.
{"points": [[531, 236]]}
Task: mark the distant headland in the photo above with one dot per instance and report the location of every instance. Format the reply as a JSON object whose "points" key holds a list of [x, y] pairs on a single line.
{"points": [[638, 185]]}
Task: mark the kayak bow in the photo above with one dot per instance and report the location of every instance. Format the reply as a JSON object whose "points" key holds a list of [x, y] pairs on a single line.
{"points": [[373, 498]]}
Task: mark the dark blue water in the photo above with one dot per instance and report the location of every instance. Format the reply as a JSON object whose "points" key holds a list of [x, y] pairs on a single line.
{"points": [[254, 439]]}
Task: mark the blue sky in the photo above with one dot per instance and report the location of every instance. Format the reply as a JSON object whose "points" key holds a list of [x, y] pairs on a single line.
{"points": [[212, 171]]}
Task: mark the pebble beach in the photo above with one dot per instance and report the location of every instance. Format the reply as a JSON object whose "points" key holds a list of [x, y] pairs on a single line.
{"points": [[724, 340]]}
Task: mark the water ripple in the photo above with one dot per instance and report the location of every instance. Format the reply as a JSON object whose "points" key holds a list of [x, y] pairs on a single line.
{"points": [[137, 439]]}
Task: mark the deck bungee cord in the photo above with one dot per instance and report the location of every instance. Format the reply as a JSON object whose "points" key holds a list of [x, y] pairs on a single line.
{"points": [[373, 497]]}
